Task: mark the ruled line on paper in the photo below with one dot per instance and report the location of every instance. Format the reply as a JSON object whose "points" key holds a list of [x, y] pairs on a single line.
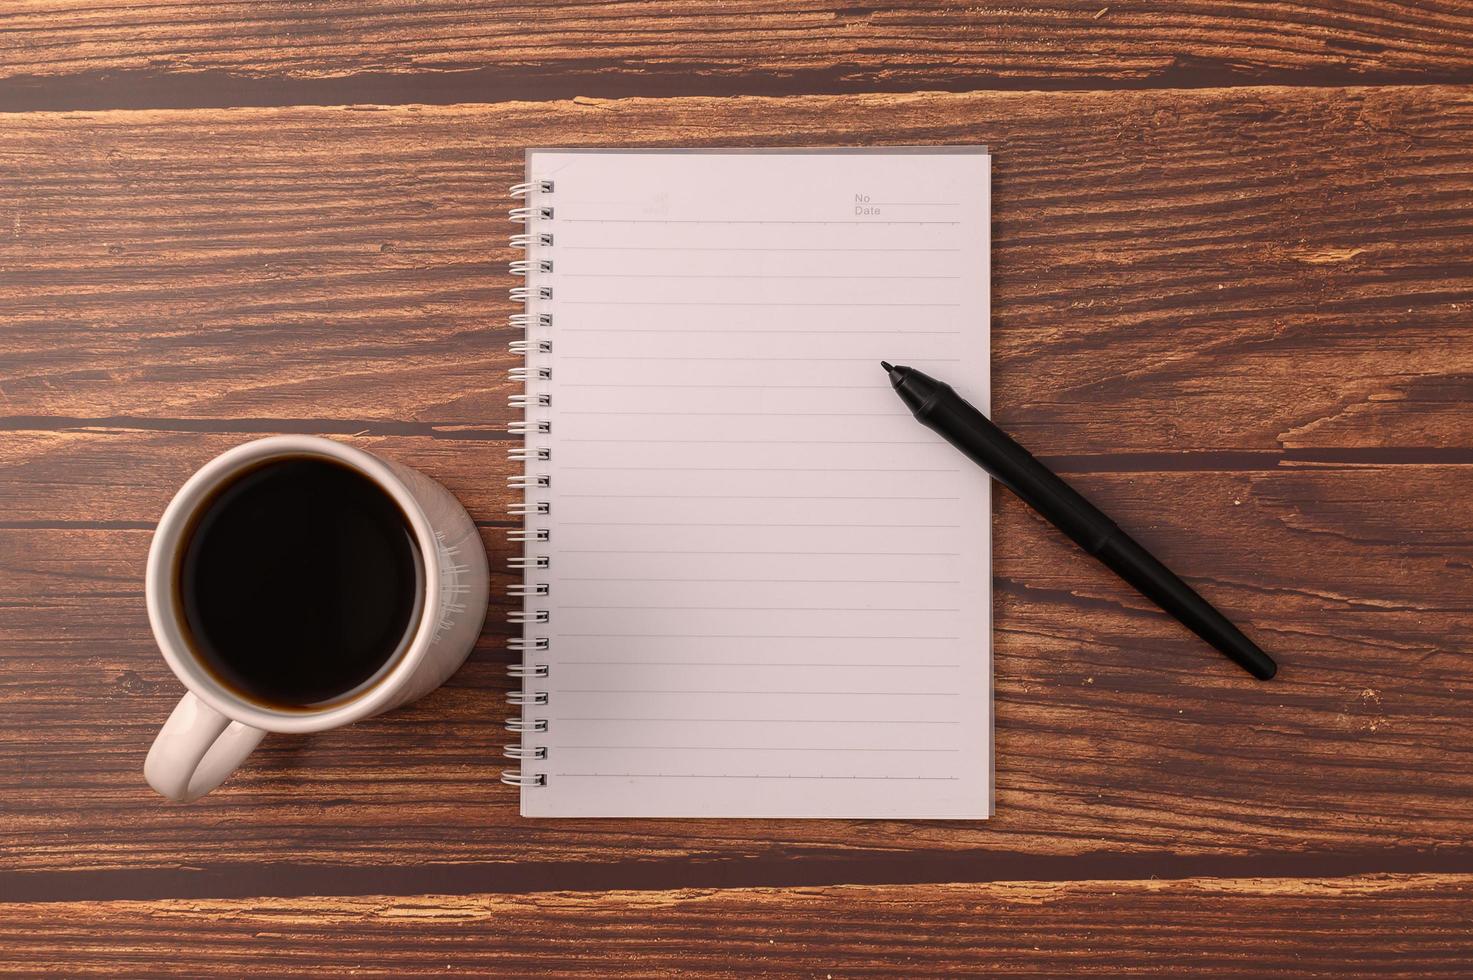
{"points": [[703, 775], [749, 663], [746, 636], [763, 693], [733, 275], [750, 748], [804, 554], [906, 527], [747, 442], [692, 332], [763, 721], [650, 302], [761, 221], [752, 415], [728, 358], [762, 469], [878, 609], [739, 496], [903, 249], [766, 581]]}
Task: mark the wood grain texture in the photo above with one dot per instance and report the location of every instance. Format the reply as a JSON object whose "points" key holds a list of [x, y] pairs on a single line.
{"points": [[1275, 271], [1120, 738], [1407, 926], [1239, 318], [123, 53]]}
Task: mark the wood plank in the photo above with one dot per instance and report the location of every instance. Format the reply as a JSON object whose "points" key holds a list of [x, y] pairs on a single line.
{"points": [[1214, 271], [123, 53], [120, 477], [1117, 732], [1408, 926]]}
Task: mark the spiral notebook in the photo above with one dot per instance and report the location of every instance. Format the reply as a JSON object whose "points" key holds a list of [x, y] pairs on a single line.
{"points": [[754, 586]]}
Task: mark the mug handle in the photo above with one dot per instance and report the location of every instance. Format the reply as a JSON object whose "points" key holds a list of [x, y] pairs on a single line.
{"points": [[196, 749]]}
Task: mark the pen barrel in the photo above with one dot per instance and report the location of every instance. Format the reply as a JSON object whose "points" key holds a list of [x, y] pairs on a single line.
{"points": [[1158, 583]]}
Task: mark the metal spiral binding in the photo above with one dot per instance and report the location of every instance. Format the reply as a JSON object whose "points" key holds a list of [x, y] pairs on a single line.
{"points": [[525, 216], [535, 347], [520, 294], [523, 321]]}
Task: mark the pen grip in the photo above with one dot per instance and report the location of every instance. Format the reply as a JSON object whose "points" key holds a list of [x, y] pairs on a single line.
{"points": [[1015, 468]]}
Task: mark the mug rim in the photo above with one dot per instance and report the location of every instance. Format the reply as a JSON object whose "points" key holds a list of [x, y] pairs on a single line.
{"points": [[163, 614]]}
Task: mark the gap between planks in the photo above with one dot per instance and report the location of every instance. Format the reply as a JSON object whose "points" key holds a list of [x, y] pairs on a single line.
{"points": [[1183, 461], [144, 91], [809, 869]]}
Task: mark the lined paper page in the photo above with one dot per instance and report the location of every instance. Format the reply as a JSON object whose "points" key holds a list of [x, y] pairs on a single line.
{"points": [[769, 587]]}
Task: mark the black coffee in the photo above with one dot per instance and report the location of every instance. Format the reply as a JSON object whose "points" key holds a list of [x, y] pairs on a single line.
{"points": [[299, 581]]}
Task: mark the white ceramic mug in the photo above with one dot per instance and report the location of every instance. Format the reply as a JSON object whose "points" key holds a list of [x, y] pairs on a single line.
{"points": [[214, 728]]}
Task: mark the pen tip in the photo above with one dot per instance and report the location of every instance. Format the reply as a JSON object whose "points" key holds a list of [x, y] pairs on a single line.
{"points": [[887, 365]]}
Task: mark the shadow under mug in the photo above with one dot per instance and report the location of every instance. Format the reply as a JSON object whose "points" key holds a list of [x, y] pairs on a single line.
{"points": [[214, 728]]}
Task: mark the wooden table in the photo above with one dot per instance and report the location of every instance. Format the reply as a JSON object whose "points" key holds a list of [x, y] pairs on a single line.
{"points": [[1233, 294]]}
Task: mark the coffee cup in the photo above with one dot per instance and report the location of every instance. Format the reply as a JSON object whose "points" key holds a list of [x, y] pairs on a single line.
{"points": [[297, 584]]}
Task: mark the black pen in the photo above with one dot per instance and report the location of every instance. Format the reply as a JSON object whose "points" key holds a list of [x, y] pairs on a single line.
{"points": [[940, 408]]}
